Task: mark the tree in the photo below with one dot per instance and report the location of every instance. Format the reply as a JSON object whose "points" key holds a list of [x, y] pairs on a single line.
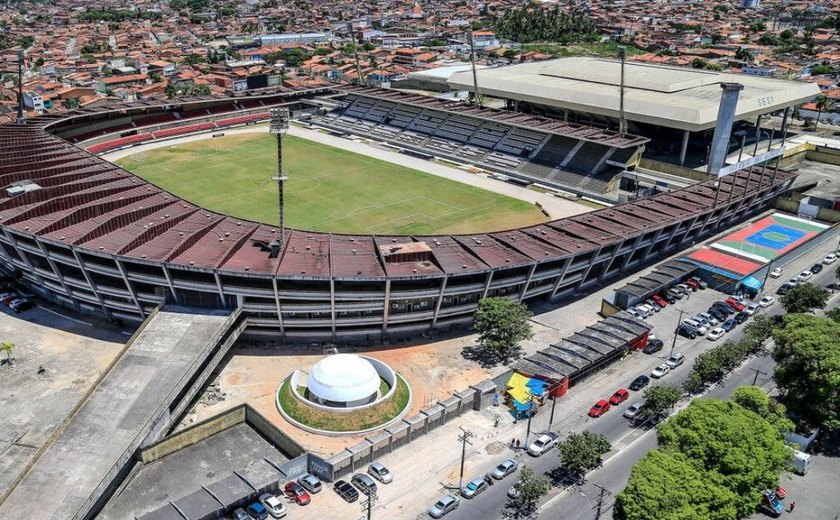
{"points": [[7, 347], [807, 371], [509, 53], [193, 59], [823, 103], [804, 297], [818, 69], [501, 324], [530, 489], [534, 23], [834, 314], [170, 90], [659, 399], [755, 399], [582, 452], [744, 54], [699, 63], [757, 331], [665, 485], [734, 446]]}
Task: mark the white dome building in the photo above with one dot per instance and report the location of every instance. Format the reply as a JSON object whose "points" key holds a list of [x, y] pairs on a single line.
{"points": [[343, 381]]}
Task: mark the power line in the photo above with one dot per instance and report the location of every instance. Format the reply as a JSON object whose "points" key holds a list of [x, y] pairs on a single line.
{"points": [[465, 439]]}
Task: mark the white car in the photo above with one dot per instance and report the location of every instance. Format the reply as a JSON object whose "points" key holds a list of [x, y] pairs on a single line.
{"points": [[660, 371], [542, 444], [775, 273], [752, 308], [701, 329], [676, 359], [709, 318], [275, 507], [793, 282], [804, 276], [767, 301], [715, 334], [829, 259], [633, 410], [513, 492]]}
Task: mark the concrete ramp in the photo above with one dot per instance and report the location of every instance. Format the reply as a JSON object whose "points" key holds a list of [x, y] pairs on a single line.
{"points": [[158, 373]]}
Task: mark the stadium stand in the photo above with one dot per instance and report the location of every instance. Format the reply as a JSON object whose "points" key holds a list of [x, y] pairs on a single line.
{"points": [[534, 149]]}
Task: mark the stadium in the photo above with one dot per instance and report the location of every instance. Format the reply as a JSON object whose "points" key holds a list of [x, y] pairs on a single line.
{"points": [[89, 235]]}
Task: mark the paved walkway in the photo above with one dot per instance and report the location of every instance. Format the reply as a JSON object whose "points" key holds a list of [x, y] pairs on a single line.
{"points": [[556, 207]]}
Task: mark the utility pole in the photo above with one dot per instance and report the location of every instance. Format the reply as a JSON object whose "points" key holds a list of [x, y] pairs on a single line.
{"points": [[622, 120], [530, 416], [679, 322], [20, 119], [476, 93], [278, 126], [367, 505], [599, 507], [757, 371], [553, 404], [465, 437]]}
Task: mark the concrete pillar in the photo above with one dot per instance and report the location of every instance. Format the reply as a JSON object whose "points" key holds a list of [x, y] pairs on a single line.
{"points": [[723, 127], [785, 124], [684, 148]]}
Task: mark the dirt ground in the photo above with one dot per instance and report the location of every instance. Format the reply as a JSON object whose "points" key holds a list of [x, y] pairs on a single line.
{"points": [[253, 374]]}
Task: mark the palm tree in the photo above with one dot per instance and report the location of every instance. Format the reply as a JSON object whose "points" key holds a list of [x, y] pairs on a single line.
{"points": [[823, 103], [7, 347]]}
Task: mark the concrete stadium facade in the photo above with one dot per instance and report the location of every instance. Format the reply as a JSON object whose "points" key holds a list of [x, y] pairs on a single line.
{"points": [[88, 235]]}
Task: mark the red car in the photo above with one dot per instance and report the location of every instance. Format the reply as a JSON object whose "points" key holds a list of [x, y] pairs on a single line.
{"points": [[600, 408], [296, 492], [660, 300], [735, 304], [619, 397]]}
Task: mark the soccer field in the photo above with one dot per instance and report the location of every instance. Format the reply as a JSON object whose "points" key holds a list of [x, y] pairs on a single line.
{"points": [[329, 189]]}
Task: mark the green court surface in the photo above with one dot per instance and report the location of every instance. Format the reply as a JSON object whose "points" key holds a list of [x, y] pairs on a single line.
{"points": [[329, 189]]}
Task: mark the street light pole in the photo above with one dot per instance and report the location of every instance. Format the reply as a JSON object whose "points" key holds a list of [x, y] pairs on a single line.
{"points": [[530, 416], [679, 321]]}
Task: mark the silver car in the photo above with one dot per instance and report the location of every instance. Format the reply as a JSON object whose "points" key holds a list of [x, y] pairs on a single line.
{"points": [[633, 410], [310, 483], [474, 488], [380, 473], [504, 469], [444, 506]]}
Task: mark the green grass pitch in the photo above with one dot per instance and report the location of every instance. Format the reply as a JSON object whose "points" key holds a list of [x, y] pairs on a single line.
{"points": [[329, 189]]}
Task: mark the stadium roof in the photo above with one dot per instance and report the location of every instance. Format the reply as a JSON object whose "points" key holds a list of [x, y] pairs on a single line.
{"points": [[673, 97]]}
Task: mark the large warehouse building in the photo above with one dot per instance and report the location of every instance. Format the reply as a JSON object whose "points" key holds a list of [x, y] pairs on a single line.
{"points": [[676, 107]]}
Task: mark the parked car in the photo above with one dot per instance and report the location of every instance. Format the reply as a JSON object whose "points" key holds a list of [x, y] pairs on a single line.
{"points": [[702, 283], [723, 307], [543, 443], [687, 331], [784, 289], [619, 396], [240, 514], [273, 505], [715, 334], [829, 259], [504, 469], [637, 312], [513, 491], [794, 281], [296, 493], [752, 309], [650, 302], [678, 295], [686, 290], [729, 324], [474, 488], [816, 268], [660, 300], [310, 483], [257, 511], [20, 305], [735, 304], [365, 484], [718, 314], [633, 410], [6, 297], [776, 273], [692, 284], [653, 346], [674, 360], [711, 320], [804, 276], [767, 301], [600, 408], [669, 297], [741, 317], [639, 383], [701, 330], [646, 308], [660, 371], [380, 473], [346, 491], [444, 506]]}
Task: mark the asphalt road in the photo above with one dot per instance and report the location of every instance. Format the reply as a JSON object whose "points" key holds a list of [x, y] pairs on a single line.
{"points": [[629, 443]]}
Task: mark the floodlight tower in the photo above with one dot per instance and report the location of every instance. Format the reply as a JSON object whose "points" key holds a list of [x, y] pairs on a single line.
{"points": [[278, 126]]}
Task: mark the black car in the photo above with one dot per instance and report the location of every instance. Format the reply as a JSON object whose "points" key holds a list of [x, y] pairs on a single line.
{"points": [[639, 383], [653, 346], [816, 268], [670, 298], [717, 314], [723, 307], [741, 317], [687, 331], [346, 491], [781, 291]]}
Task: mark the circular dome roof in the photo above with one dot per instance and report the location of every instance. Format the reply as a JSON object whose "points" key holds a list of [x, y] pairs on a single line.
{"points": [[343, 378]]}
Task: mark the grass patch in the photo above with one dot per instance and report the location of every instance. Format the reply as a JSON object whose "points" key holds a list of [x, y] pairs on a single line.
{"points": [[606, 49], [344, 422], [330, 189]]}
